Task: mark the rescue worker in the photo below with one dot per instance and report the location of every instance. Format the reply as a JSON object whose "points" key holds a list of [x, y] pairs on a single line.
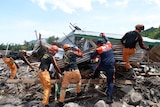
{"points": [[44, 75], [9, 61], [106, 64], [22, 54], [71, 72], [129, 41]]}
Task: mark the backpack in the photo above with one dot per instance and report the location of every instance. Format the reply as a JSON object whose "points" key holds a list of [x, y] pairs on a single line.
{"points": [[66, 58]]}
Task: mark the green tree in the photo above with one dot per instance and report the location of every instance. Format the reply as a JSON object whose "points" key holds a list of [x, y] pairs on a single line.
{"points": [[52, 39], [27, 46], [2, 46], [153, 33]]}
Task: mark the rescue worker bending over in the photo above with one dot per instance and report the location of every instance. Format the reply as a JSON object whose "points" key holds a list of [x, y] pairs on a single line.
{"points": [[71, 72], [22, 54], [9, 61], [44, 74], [129, 41], [106, 64]]}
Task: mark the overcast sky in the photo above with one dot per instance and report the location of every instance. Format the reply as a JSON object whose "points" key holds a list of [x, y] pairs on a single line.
{"points": [[20, 18]]}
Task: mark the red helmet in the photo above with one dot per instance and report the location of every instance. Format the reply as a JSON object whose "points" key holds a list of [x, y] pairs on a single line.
{"points": [[66, 46], [53, 48]]}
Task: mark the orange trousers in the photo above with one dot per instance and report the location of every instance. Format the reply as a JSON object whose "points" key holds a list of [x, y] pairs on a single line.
{"points": [[127, 52], [46, 83], [70, 76], [10, 63]]}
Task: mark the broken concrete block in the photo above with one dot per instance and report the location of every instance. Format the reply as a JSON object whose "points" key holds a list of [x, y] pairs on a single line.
{"points": [[135, 98], [127, 89], [100, 103], [71, 104]]}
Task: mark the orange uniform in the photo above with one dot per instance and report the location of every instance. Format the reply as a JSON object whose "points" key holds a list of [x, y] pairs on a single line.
{"points": [[44, 74], [129, 41], [71, 72], [11, 64]]}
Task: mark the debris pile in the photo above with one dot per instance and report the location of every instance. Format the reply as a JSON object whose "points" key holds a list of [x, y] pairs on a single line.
{"points": [[141, 89]]}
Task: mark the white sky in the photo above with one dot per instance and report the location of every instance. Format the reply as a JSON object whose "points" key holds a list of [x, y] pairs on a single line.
{"points": [[20, 18]]}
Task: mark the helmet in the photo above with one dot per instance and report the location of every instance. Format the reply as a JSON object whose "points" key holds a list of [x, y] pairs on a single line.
{"points": [[23, 51], [102, 34], [99, 42], [139, 27], [65, 46], [53, 48]]}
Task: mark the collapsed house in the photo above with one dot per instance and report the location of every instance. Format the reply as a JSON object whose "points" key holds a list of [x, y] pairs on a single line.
{"points": [[143, 90], [85, 40]]}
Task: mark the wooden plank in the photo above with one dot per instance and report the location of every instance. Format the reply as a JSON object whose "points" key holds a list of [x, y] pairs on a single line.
{"points": [[31, 81], [100, 92], [125, 82], [84, 81]]}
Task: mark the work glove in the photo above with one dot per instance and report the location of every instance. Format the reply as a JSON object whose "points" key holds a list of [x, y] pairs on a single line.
{"points": [[148, 49], [94, 60]]}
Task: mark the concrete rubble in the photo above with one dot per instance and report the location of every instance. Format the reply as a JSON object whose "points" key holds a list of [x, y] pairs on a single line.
{"points": [[140, 90]]}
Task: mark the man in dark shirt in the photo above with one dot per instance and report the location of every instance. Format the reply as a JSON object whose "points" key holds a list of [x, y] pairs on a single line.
{"points": [[106, 64], [129, 41], [44, 74], [71, 72]]}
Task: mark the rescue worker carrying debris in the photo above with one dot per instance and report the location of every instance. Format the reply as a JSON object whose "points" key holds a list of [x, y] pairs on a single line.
{"points": [[106, 64], [129, 41], [71, 72], [9, 61], [44, 74]]}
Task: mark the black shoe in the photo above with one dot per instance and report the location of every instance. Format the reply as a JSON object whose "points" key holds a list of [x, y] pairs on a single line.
{"points": [[46, 105], [59, 104], [79, 94], [42, 105], [130, 70], [130, 74], [109, 100]]}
